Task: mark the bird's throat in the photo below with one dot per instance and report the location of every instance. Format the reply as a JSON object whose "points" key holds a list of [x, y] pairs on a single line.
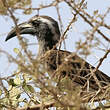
{"points": [[43, 48]]}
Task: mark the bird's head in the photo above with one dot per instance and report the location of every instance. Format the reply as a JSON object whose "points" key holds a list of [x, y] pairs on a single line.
{"points": [[45, 28]]}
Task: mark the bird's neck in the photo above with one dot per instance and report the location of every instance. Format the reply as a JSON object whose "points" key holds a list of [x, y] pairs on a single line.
{"points": [[46, 41], [44, 47]]}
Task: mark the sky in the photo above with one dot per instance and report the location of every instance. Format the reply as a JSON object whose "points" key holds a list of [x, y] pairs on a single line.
{"points": [[74, 35]]}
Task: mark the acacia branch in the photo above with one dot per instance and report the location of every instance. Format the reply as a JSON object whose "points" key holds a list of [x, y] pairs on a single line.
{"points": [[89, 22], [39, 106]]}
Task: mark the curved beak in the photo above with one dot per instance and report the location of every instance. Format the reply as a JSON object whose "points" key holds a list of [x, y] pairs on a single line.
{"points": [[24, 28]]}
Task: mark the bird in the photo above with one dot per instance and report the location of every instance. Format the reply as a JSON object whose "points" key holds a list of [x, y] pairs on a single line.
{"points": [[55, 60]]}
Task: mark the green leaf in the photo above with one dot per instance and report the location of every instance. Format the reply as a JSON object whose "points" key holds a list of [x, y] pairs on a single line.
{"points": [[28, 11], [95, 12], [0, 92], [16, 50], [17, 80], [29, 88], [11, 82], [18, 96]]}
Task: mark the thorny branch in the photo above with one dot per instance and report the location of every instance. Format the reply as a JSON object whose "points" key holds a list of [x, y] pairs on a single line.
{"points": [[78, 11], [86, 20]]}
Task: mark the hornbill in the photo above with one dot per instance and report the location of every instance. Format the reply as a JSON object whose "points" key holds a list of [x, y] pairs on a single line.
{"points": [[67, 63]]}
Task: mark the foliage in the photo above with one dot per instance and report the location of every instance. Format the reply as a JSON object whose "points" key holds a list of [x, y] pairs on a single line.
{"points": [[28, 86], [13, 3]]}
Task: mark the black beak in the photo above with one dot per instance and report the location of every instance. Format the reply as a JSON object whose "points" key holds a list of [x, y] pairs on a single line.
{"points": [[24, 28]]}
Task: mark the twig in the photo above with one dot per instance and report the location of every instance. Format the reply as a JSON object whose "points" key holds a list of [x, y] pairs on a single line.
{"points": [[37, 107], [74, 8]]}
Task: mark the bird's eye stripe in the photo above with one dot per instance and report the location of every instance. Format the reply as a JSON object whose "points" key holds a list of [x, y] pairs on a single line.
{"points": [[26, 26]]}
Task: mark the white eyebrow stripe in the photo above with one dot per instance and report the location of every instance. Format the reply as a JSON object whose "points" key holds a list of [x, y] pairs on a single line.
{"points": [[26, 25], [45, 20]]}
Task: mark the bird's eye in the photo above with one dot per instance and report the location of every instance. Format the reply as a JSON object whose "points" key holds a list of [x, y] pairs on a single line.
{"points": [[35, 22]]}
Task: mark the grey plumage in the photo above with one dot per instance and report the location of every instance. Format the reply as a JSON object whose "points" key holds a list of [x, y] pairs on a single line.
{"points": [[47, 31]]}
